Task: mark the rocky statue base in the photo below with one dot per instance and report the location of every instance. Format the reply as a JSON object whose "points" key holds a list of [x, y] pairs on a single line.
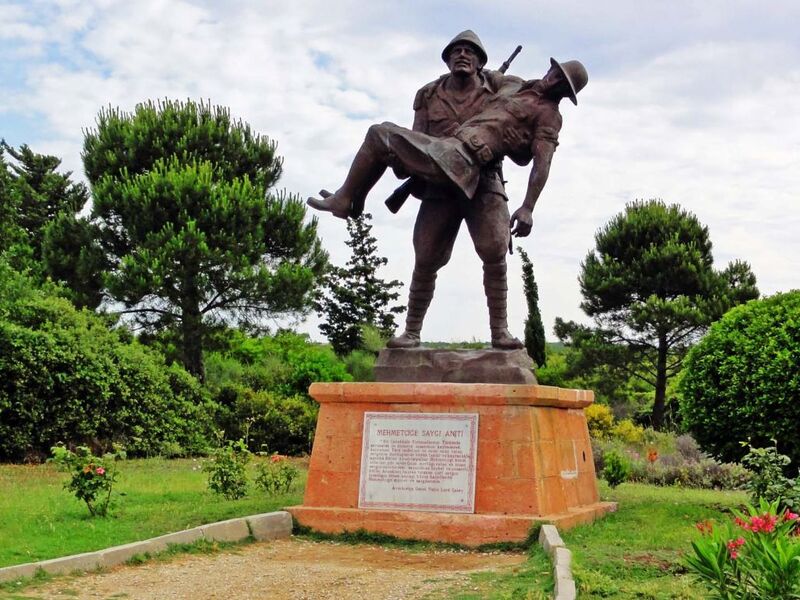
{"points": [[530, 461], [454, 366]]}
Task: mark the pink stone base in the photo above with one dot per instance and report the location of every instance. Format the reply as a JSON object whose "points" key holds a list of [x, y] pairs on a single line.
{"points": [[469, 530]]}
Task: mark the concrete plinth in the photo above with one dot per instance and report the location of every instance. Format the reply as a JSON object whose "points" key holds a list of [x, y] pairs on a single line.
{"points": [[454, 366], [534, 460]]}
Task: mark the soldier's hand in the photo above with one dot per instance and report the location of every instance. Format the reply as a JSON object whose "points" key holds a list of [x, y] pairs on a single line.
{"points": [[521, 222]]}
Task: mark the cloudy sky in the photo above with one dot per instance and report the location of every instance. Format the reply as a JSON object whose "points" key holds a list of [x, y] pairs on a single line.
{"points": [[692, 102]]}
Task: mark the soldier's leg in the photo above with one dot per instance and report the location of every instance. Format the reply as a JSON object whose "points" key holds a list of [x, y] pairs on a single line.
{"points": [[487, 221], [385, 145], [435, 234]]}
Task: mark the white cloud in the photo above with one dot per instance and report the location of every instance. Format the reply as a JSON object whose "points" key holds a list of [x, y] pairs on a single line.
{"points": [[693, 103]]}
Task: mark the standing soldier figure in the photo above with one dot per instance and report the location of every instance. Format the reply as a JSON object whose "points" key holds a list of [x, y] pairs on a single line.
{"points": [[439, 108]]}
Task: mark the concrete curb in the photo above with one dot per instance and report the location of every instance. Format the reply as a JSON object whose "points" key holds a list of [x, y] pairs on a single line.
{"points": [[551, 542], [266, 526]]}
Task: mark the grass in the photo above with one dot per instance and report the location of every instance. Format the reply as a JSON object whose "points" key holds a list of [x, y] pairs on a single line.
{"points": [[634, 553], [638, 551], [40, 520]]}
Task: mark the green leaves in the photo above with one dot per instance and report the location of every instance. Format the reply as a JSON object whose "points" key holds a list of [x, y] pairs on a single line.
{"points": [[192, 232], [743, 378], [354, 296], [651, 287]]}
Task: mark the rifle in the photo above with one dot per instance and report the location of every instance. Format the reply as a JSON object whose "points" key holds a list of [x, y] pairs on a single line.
{"points": [[401, 194]]}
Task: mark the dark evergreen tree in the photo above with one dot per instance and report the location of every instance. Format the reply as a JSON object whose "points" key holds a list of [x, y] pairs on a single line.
{"points": [[40, 193], [652, 290], [10, 232], [354, 296], [534, 329], [187, 220]]}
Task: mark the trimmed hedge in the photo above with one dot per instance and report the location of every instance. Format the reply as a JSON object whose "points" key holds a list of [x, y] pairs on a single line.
{"points": [[742, 381]]}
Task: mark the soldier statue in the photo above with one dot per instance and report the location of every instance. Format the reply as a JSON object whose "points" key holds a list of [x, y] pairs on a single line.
{"points": [[465, 123]]}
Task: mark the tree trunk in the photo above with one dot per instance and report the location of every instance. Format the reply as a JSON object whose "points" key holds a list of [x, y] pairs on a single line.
{"points": [[192, 328], [661, 382]]}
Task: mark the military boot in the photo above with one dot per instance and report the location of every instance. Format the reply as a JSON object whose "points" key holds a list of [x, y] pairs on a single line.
{"points": [[419, 298], [496, 288]]}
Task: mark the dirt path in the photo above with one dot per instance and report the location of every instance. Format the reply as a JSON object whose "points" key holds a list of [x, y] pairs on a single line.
{"points": [[282, 570]]}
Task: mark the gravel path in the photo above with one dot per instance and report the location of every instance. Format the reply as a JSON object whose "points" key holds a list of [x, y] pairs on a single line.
{"points": [[291, 569]]}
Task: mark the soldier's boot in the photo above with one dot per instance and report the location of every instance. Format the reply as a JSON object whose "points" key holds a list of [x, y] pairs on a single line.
{"points": [[367, 168], [496, 288], [419, 298]]}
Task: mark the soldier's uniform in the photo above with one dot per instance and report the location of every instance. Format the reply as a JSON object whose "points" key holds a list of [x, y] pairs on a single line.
{"points": [[468, 150]]}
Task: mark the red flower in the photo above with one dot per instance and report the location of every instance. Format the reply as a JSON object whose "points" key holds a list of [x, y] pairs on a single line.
{"points": [[277, 458], [789, 516], [652, 455], [704, 527]]}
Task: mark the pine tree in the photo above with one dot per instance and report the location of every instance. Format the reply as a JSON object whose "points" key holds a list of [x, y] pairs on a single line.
{"points": [[187, 221], [534, 329], [652, 290], [354, 296]]}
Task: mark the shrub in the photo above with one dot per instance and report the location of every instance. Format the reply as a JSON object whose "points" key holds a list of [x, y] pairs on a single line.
{"points": [[91, 478], [758, 558], [768, 481], [628, 432], [743, 379], [616, 469], [65, 377], [268, 421], [276, 475], [227, 470], [600, 420]]}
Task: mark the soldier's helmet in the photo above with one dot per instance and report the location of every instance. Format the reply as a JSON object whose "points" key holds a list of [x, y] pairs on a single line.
{"points": [[471, 38], [575, 74]]}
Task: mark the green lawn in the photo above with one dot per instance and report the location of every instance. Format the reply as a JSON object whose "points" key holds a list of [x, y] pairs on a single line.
{"points": [[634, 553], [40, 520]]}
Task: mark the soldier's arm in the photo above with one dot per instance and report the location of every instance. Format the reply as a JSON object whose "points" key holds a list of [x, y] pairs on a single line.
{"points": [[522, 219], [421, 112]]}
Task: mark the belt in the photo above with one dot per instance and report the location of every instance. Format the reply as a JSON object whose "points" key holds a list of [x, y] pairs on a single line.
{"points": [[479, 149]]}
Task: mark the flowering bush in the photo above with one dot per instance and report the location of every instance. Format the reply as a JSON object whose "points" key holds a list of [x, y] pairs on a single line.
{"points": [[276, 475], [227, 470], [758, 557], [92, 477], [599, 419]]}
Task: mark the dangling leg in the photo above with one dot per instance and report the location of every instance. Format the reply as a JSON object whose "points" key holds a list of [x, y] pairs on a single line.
{"points": [[364, 173]]}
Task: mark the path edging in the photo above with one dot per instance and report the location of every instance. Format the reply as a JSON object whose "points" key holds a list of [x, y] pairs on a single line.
{"points": [[561, 558], [265, 526]]}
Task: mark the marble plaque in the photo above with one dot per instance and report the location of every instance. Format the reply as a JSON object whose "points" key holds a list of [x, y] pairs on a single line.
{"points": [[419, 461]]}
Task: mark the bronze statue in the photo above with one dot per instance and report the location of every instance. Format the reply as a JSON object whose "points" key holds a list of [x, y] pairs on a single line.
{"points": [[464, 124]]}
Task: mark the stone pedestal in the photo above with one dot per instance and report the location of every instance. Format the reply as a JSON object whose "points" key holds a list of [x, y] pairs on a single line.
{"points": [[534, 460], [454, 365]]}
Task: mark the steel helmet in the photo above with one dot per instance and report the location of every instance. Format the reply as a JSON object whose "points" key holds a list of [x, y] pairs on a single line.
{"points": [[575, 74], [471, 38]]}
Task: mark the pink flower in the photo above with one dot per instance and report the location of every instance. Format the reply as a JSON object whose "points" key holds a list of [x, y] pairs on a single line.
{"points": [[100, 471], [277, 458], [789, 516]]}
